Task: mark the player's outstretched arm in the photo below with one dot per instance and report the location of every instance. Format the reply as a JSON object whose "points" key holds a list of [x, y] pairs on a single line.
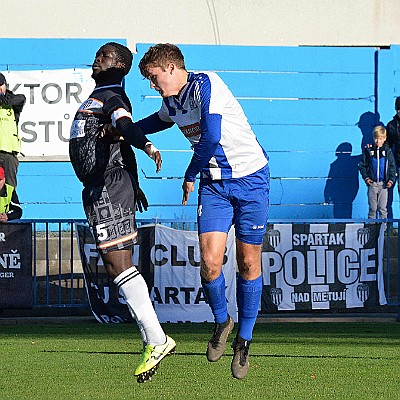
{"points": [[128, 133], [153, 124]]}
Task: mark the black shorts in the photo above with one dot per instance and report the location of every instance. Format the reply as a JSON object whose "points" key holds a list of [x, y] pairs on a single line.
{"points": [[110, 211]]}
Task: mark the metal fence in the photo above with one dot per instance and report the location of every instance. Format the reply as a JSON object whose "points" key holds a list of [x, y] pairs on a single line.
{"points": [[57, 270], [58, 280]]}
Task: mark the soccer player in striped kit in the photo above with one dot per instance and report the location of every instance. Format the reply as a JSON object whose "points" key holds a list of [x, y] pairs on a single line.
{"points": [[110, 193]]}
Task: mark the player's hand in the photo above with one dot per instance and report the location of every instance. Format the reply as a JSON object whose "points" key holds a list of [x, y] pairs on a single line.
{"points": [[154, 154], [187, 187], [389, 184], [369, 182], [110, 132], [3, 218], [3, 90], [141, 200]]}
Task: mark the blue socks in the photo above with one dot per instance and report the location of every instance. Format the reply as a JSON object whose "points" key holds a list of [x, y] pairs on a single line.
{"points": [[248, 297], [215, 295]]}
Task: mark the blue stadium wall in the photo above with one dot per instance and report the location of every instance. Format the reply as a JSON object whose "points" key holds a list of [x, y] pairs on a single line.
{"points": [[312, 108]]}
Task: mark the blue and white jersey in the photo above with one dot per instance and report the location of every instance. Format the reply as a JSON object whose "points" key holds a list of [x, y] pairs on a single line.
{"points": [[212, 119]]}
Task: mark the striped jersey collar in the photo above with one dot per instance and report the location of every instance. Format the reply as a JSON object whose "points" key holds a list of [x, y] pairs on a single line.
{"points": [[106, 87]]}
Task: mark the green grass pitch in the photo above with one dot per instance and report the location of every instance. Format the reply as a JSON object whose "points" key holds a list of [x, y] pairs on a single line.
{"points": [[287, 361]]}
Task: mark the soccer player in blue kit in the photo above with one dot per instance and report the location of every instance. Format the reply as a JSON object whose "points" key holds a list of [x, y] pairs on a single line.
{"points": [[233, 188], [111, 191]]}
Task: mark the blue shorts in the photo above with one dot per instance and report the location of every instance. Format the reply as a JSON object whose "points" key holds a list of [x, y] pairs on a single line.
{"points": [[243, 202]]}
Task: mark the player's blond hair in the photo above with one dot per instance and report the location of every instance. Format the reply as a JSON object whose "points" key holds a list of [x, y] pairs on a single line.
{"points": [[160, 55]]}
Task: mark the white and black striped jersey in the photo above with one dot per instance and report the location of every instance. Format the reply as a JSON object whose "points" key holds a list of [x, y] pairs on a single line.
{"points": [[91, 156]]}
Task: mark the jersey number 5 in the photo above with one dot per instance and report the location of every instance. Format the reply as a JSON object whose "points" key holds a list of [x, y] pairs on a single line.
{"points": [[101, 232]]}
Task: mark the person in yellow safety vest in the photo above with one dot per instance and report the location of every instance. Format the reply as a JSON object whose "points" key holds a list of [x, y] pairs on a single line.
{"points": [[11, 106], [9, 203]]}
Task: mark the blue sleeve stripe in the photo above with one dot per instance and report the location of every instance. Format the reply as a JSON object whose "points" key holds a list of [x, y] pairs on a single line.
{"points": [[210, 131]]}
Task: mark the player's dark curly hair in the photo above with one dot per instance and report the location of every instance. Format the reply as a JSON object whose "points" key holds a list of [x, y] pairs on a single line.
{"points": [[160, 55], [124, 55]]}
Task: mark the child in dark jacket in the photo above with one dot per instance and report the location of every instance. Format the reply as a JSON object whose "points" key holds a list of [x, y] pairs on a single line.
{"points": [[378, 170]]}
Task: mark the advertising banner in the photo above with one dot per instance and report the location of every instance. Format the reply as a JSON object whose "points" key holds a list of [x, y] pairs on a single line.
{"points": [[304, 267], [169, 261], [105, 302], [16, 289], [52, 98], [177, 293], [323, 266]]}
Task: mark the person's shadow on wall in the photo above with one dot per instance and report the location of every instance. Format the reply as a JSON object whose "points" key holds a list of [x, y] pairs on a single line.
{"points": [[342, 184], [343, 179], [367, 122]]}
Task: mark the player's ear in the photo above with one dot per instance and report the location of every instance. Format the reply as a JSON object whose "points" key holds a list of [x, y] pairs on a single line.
{"points": [[120, 64], [171, 67]]}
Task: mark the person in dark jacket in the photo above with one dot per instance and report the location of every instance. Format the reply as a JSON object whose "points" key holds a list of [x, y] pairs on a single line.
{"points": [[10, 208], [11, 106], [393, 133], [378, 169]]}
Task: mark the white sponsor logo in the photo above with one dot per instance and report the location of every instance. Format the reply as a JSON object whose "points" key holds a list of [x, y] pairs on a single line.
{"points": [[77, 129], [318, 239]]}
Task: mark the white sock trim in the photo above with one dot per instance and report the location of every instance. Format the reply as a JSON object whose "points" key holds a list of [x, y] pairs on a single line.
{"points": [[126, 275]]}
